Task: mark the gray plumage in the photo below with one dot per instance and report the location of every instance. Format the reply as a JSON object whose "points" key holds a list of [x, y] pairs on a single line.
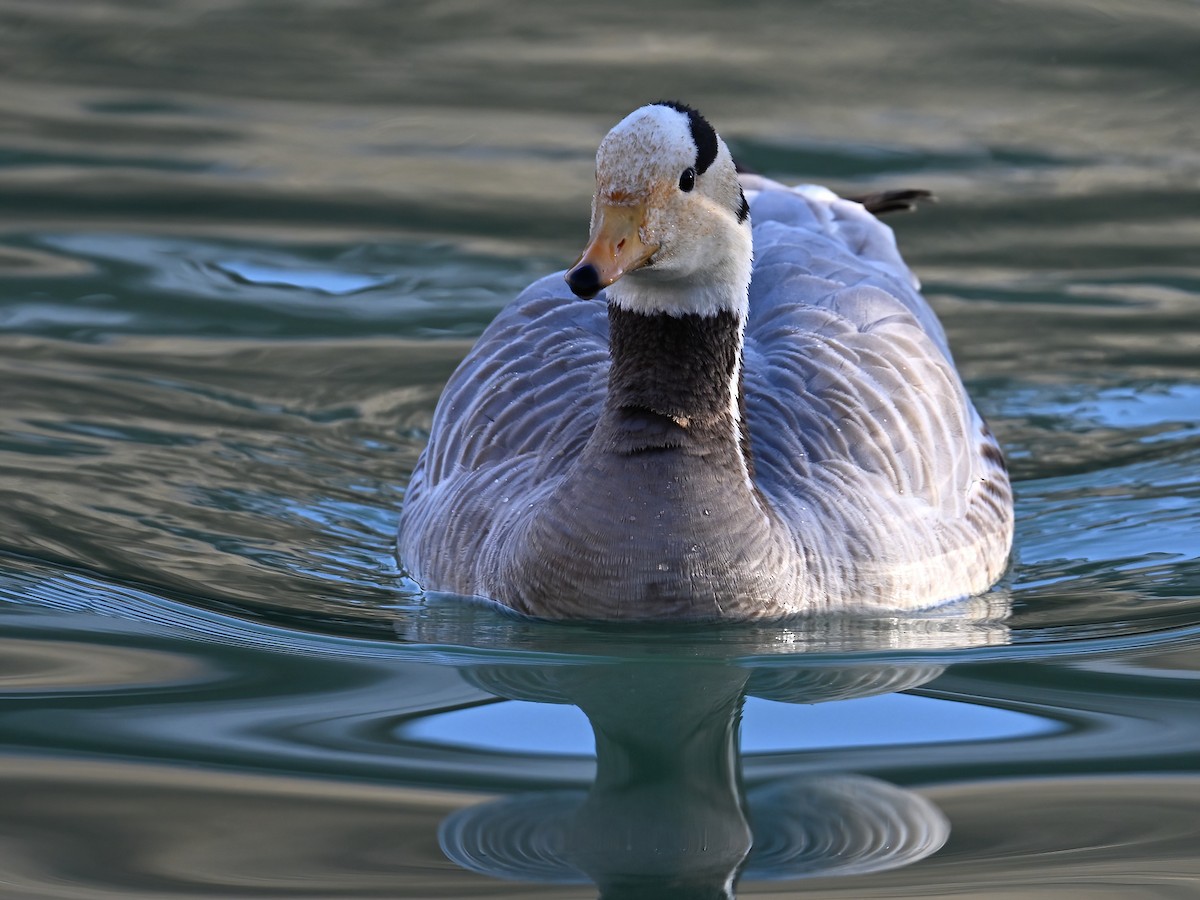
{"points": [[563, 486]]}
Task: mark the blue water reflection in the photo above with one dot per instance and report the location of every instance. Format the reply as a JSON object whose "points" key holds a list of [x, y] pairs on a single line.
{"points": [[825, 753], [766, 726]]}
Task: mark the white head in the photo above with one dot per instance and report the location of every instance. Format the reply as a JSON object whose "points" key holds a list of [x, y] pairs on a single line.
{"points": [[668, 218]]}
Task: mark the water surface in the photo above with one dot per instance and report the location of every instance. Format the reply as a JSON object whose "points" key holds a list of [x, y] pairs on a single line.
{"points": [[243, 245]]}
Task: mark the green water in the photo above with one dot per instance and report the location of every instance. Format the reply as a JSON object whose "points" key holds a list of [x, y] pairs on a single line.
{"points": [[242, 246]]}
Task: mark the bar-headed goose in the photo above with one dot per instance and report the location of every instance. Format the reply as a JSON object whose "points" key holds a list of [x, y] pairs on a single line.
{"points": [[742, 408]]}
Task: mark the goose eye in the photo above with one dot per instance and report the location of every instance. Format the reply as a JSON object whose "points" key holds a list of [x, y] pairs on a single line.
{"points": [[687, 180]]}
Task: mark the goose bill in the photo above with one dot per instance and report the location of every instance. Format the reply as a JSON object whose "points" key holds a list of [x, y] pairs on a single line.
{"points": [[615, 247]]}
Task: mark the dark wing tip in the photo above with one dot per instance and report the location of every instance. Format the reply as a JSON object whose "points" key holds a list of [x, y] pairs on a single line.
{"points": [[893, 201]]}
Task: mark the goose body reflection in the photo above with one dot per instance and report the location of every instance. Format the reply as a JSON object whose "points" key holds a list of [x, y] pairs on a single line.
{"points": [[667, 816], [669, 812]]}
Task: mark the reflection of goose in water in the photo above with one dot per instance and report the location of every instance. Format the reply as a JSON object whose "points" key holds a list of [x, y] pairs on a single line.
{"points": [[704, 445], [666, 816], [667, 810]]}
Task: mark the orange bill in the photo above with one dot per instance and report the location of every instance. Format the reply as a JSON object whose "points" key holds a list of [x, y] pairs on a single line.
{"points": [[615, 248]]}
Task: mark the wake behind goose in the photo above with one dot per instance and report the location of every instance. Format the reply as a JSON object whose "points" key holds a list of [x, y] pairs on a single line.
{"points": [[758, 421]]}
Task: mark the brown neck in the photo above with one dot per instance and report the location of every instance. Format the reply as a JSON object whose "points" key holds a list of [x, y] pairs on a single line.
{"points": [[680, 370]]}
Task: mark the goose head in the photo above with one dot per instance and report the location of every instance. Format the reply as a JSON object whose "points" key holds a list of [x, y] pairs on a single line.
{"points": [[670, 230]]}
